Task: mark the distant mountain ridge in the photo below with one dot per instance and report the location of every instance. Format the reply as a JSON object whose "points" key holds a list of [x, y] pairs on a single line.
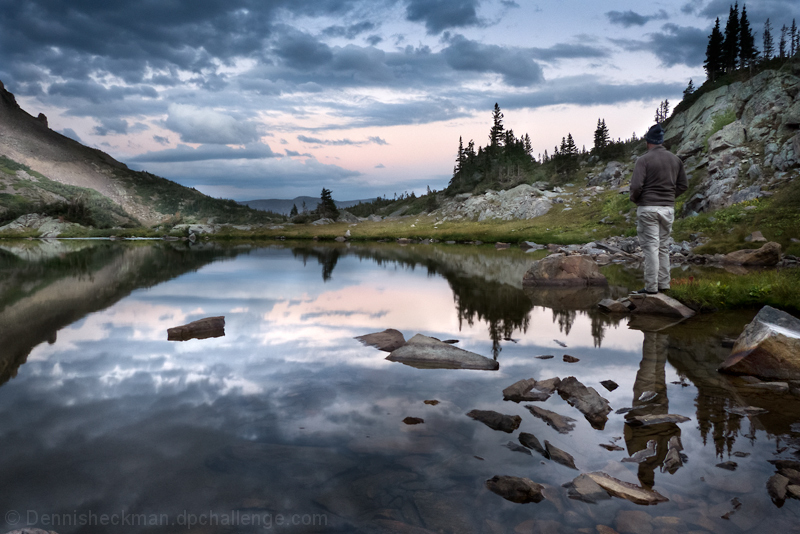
{"points": [[284, 207]]}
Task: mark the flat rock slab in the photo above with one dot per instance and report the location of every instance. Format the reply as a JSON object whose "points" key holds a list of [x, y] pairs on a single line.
{"points": [[659, 304], [200, 329], [768, 255], [387, 341], [583, 488], [647, 420], [516, 489], [564, 271], [586, 399], [769, 347], [530, 390], [559, 456], [614, 306], [561, 423], [426, 352], [496, 421], [532, 442], [626, 490]]}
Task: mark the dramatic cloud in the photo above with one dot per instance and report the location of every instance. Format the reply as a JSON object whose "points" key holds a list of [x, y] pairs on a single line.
{"points": [[630, 18], [568, 51], [349, 32], [674, 45], [340, 142], [440, 15], [107, 126], [206, 152], [779, 12], [199, 125], [514, 64]]}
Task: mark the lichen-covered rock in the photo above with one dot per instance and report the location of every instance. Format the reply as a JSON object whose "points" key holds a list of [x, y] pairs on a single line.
{"points": [[769, 347], [564, 271]]}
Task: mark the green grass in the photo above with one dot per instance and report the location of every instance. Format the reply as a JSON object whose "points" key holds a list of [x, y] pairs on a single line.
{"points": [[718, 122], [724, 290]]}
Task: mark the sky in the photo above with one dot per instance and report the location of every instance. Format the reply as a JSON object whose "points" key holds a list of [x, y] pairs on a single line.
{"points": [[252, 99]]}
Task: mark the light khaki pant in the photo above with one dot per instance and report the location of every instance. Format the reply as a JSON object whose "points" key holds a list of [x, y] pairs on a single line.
{"points": [[654, 224]]}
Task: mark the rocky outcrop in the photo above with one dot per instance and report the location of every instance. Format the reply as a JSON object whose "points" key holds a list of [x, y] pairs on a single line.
{"points": [[769, 347], [429, 353], [564, 271], [742, 139], [521, 202], [42, 225]]}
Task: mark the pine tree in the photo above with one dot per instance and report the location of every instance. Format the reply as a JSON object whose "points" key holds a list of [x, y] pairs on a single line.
{"points": [[689, 89], [730, 45], [769, 46], [293, 213], [527, 145], [496, 133], [782, 42], [601, 137], [713, 63], [662, 112], [327, 207], [795, 39], [460, 158], [747, 42]]}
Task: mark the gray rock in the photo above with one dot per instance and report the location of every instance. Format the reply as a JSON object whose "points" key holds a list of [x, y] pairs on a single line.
{"points": [[625, 490], [322, 221], [586, 399], [659, 304], [610, 385], [496, 421], [642, 455], [517, 448], [387, 341], [526, 390], [559, 456], [655, 419], [755, 237], [614, 306], [776, 487], [768, 255], [769, 347], [516, 489], [560, 423], [429, 353]]}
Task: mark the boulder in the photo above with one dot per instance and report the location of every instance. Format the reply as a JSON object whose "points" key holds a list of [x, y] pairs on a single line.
{"points": [[413, 420], [776, 487], [659, 304], [532, 442], [614, 306], [594, 407], [564, 271], [769, 347], [496, 421], [346, 216], [516, 489], [561, 423], [387, 341], [426, 352], [756, 237], [768, 255], [626, 490], [200, 329], [525, 390]]}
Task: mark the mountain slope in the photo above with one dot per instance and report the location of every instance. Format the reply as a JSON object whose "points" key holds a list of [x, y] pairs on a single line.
{"points": [[42, 167]]}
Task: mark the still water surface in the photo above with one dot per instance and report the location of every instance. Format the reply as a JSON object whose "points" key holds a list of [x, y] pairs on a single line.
{"points": [[289, 424]]}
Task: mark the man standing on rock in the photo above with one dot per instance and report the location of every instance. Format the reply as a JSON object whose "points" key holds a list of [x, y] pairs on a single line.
{"points": [[658, 178]]}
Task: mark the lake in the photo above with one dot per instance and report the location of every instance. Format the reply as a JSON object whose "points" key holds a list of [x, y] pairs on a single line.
{"points": [[287, 423]]}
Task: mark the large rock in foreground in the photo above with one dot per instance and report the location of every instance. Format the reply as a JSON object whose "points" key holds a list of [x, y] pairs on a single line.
{"points": [[768, 348], [586, 399], [426, 352], [564, 271], [767, 256], [659, 304]]}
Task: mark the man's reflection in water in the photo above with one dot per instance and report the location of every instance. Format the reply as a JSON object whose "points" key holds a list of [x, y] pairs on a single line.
{"points": [[650, 398]]}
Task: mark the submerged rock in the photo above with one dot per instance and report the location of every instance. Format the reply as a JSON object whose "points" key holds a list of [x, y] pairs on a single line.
{"points": [[426, 352], [769, 347], [564, 271], [496, 421], [776, 487], [583, 488], [656, 419], [559, 456], [586, 399], [517, 448], [200, 329], [570, 359], [626, 490], [532, 442], [387, 341], [516, 489], [561, 423], [413, 420]]}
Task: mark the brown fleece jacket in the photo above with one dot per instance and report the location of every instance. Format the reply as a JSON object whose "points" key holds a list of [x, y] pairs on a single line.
{"points": [[658, 178]]}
